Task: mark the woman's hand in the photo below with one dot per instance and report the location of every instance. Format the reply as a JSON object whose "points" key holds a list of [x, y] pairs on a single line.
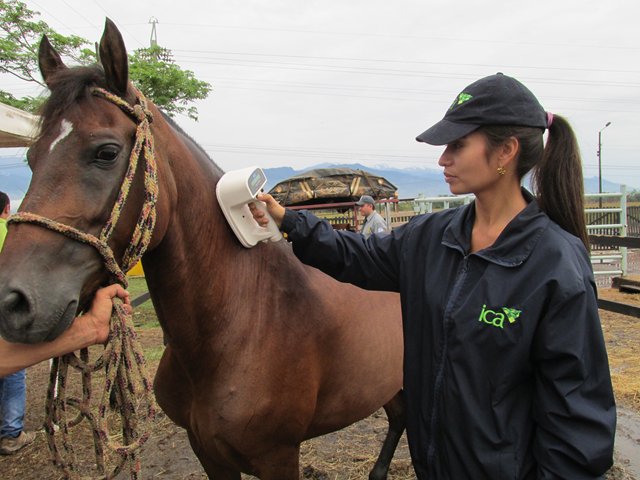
{"points": [[274, 208]]}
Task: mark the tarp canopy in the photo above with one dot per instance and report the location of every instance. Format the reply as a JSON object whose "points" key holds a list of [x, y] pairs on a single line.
{"points": [[17, 128], [331, 185]]}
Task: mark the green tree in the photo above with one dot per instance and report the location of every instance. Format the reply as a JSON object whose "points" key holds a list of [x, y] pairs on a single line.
{"points": [[170, 87], [164, 82], [20, 34], [634, 196]]}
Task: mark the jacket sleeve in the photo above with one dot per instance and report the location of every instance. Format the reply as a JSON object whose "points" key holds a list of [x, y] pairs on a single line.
{"points": [[574, 406], [371, 263]]}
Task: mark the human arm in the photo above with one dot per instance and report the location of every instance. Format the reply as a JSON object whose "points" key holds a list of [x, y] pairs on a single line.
{"points": [[373, 263], [574, 406], [88, 329], [379, 225]]}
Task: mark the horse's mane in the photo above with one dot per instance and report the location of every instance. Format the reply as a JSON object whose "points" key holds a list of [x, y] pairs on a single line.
{"points": [[67, 87], [179, 129], [72, 84]]}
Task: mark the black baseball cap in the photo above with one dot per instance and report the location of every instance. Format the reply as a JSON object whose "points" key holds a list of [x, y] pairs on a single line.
{"points": [[494, 100]]}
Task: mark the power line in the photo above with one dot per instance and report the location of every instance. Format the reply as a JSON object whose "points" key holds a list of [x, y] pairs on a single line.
{"points": [[390, 72], [418, 62], [474, 40]]}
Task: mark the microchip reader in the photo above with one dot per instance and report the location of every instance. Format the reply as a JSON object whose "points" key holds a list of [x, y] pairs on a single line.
{"points": [[235, 190]]}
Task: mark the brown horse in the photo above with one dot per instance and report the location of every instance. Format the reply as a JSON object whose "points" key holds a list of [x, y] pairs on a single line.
{"points": [[263, 352]]}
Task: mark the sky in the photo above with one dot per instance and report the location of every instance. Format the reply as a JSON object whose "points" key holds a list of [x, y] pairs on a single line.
{"points": [[301, 82]]}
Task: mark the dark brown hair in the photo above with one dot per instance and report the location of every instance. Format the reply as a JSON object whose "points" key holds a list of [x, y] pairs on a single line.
{"points": [[4, 201], [556, 170]]}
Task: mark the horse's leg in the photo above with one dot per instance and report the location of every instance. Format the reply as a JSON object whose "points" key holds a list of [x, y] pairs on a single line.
{"points": [[216, 472], [282, 463], [397, 423], [213, 470]]}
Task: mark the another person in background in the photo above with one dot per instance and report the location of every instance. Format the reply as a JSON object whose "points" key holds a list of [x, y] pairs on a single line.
{"points": [[13, 387], [5, 211], [505, 367], [373, 221]]}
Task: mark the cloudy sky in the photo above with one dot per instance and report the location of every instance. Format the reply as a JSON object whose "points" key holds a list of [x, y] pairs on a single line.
{"points": [[296, 83]]}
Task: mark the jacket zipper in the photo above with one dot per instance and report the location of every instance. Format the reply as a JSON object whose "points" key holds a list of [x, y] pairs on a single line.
{"points": [[431, 450]]}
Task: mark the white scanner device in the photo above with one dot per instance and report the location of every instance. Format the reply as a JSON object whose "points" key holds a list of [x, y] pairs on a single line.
{"points": [[235, 190]]}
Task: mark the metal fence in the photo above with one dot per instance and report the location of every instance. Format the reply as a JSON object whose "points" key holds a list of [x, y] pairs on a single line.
{"points": [[611, 217], [607, 214], [608, 218]]}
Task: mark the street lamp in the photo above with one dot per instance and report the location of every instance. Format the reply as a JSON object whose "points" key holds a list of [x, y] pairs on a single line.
{"points": [[600, 162]]}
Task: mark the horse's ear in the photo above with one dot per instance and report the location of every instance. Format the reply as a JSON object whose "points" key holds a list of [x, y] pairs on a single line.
{"points": [[49, 60], [113, 56]]}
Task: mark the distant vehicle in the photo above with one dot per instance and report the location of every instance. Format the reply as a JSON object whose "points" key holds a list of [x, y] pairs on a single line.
{"points": [[332, 185]]}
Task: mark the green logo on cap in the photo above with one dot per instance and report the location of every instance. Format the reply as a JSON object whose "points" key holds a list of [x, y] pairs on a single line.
{"points": [[460, 99]]}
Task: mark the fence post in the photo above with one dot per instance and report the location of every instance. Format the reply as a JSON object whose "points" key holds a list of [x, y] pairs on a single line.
{"points": [[623, 227], [387, 214]]}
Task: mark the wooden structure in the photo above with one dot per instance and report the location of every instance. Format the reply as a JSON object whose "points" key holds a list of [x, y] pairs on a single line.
{"points": [[332, 185], [17, 128]]}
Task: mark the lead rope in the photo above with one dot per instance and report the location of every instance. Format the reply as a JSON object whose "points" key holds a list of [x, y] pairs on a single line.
{"points": [[122, 356]]}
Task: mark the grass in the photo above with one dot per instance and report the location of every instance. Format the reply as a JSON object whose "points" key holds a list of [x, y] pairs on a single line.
{"points": [[153, 354], [137, 286], [144, 315]]}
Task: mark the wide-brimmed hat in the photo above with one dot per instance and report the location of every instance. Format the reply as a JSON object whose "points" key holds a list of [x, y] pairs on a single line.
{"points": [[494, 100]]}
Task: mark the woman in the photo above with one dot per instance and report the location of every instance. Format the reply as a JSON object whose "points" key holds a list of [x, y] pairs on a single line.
{"points": [[506, 373]]}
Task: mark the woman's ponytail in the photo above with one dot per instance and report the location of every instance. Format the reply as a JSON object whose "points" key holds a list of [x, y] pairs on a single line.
{"points": [[558, 180]]}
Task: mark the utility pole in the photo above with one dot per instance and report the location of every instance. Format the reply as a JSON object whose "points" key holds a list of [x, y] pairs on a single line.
{"points": [[600, 163], [153, 42], [156, 52]]}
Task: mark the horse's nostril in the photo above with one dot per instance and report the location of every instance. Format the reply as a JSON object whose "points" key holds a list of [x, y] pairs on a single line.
{"points": [[15, 303], [15, 309]]}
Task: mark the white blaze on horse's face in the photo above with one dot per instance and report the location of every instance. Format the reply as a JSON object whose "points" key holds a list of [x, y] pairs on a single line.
{"points": [[66, 127]]}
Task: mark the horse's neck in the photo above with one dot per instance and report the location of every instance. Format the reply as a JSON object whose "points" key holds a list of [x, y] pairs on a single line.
{"points": [[195, 219], [197, 269]]}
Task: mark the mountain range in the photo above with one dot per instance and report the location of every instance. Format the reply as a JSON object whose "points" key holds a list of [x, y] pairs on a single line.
{"points": [[410, 182]]}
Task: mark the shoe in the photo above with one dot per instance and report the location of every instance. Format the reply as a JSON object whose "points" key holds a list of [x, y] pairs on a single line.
{"points": [[9, 446]]}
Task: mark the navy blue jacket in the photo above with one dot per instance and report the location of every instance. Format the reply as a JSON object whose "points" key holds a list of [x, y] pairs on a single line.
{"points": [[505, 369]]}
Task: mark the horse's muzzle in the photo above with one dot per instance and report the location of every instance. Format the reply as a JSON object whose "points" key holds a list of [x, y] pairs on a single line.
{"points": [[24, 319]]}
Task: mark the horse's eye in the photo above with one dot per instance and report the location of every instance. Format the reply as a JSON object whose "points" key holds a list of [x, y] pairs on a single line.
{"points": [[107, 153]]}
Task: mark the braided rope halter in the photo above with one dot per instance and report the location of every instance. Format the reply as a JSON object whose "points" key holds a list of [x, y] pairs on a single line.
{"points": [[122, 350]]}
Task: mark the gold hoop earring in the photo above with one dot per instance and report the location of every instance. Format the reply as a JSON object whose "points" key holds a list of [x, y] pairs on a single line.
{"points": [[501, 171]]}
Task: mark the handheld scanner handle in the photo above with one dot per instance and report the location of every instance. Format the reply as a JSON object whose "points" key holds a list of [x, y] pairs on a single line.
{"points": [[274, 233]]}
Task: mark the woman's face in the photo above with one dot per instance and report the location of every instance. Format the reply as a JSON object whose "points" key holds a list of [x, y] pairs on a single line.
{"points": [[467, 167]]}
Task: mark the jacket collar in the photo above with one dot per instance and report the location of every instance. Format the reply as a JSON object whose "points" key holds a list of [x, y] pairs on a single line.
{"points": [[515, 243]]}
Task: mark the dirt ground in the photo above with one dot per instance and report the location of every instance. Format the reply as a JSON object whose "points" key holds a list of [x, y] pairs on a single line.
{"points": [[345, 455]]}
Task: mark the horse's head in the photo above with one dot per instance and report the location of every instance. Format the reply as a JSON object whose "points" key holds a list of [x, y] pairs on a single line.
{"points": [[86, 197]]}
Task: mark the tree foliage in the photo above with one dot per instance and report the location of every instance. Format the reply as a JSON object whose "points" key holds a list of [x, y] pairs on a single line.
{"points": [[170, 87], [164, 82], [20, 34]]}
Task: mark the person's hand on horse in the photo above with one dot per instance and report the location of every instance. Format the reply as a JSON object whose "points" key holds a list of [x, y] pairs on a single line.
{"points": [[274, 208], [97, 318]]}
